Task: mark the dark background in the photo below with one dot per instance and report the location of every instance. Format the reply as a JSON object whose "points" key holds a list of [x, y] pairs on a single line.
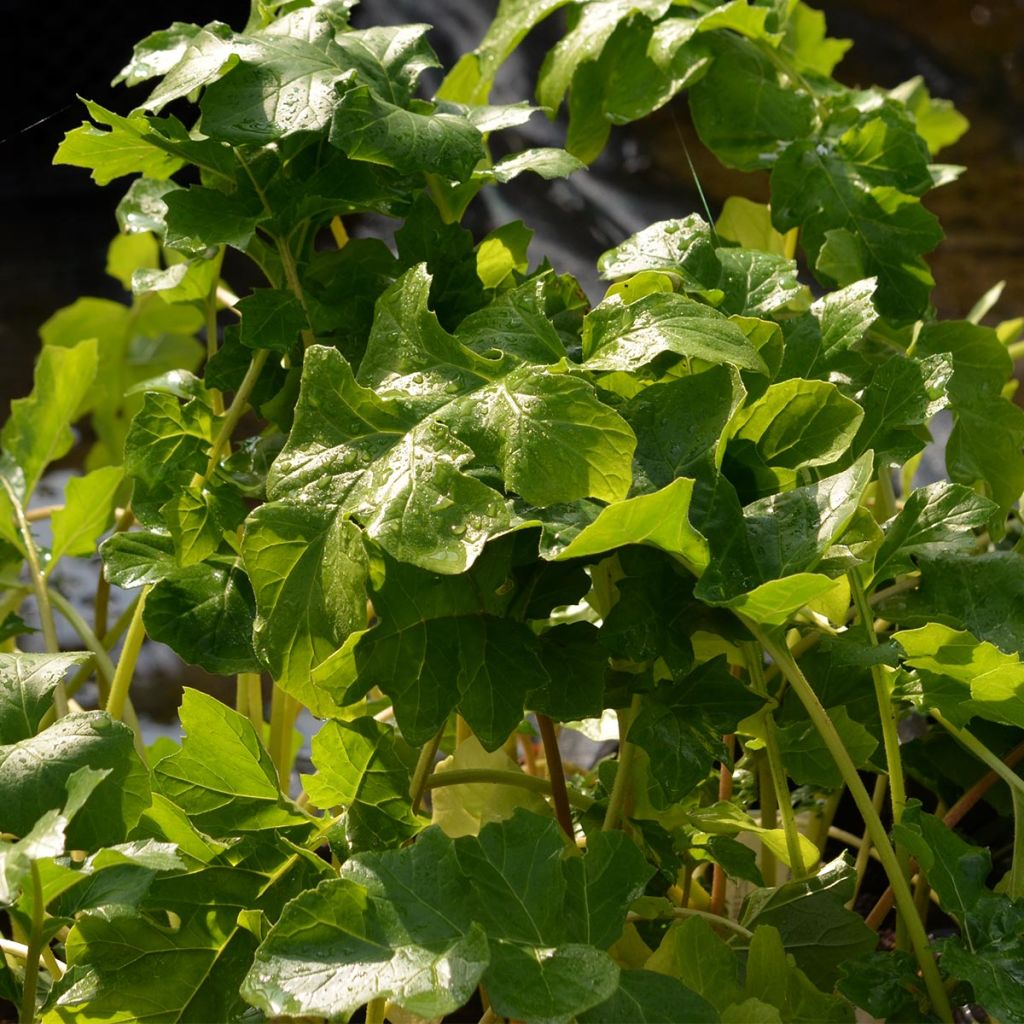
{"points": [[55, 223]]}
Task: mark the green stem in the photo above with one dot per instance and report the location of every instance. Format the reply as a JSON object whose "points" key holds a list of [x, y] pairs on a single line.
{"points": [[436, 189], [291, 273], [500, 777], [283, 709], [885, 504], [422, 773], [250, 688], [1016, 350], [769, 819], [235, 412], [104, 666], [376, 1010], [627, 751], [840, 755], [35, 948], [110, 638], [724, 922], [1015, 882], [126, 663], [57, 967], [38, 580], [890, 729], [556, 774], [216, 398], [776, 767], [860, 865]]}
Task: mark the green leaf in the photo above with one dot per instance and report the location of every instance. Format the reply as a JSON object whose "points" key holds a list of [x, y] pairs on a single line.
{"points": [[471, 79], [38, 430], [644, 997], [955, 869], [660, 520], [680, 424], [807, 759], [167, 444], [546, 162], [988, 430], [126, 968], [34, 771], [815, 927], [87, 513], [205, 612], [680, 727], [501, 253], [854, 198], [684, 247], [628, 337], [137, 558], [795, 424], [359, 768], [464, 809], [776, 537], [27, 682], [308, 571], [368, 128], [199, 518], [993, 972], [692, 953], [885, 985], [222, 776], [46, 837], [119, 148], [773, 980], [389, 928], [981, 593], [937, 121], [197, 218], [994, 680], [742, 133], [395, 457], [441, 643], [749, 225], [934, 520]]}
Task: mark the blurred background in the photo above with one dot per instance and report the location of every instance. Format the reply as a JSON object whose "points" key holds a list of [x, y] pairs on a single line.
{"points": [[55, 224]]}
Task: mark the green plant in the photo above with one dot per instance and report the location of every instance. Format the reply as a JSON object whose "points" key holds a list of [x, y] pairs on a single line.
{"points": [[429, 492]]}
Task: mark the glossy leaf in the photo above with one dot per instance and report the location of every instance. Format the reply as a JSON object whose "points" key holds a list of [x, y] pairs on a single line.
{"points": [[359, 769], [222, 776], [27, 683], [33, 773]]}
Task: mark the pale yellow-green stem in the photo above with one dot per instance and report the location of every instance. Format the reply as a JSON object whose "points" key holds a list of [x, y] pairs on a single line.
{"points": [[421, 773], [500, 777], [864, 849], [780, 653], [36, 941], [623, 770], [235, 412], [126, 663]]}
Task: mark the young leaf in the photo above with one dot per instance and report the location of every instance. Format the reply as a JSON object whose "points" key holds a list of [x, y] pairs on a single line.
{"points": [[358, 768], [87, 513], [692, 953], [38, 431], [814, 925], [222, 776], [646, 997]]}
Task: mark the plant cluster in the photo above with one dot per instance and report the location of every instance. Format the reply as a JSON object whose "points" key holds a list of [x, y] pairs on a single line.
{"points": [[429, 494]]}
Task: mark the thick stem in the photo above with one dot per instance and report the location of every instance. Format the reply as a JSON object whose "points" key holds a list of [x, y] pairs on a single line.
{"points": [[627, 751], [283, 709], [36, 942], [556, 773], [1015, 882], [126, 663], [769, 819], [291, 273], [110, 638], [250, 688], [216, 398], [376, 1010], [436, 189], [500, 777], [901, 889], [421, 773], [885, 506]]}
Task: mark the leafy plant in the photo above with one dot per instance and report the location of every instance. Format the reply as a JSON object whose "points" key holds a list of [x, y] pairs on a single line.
{"points": [[432, 496]]}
